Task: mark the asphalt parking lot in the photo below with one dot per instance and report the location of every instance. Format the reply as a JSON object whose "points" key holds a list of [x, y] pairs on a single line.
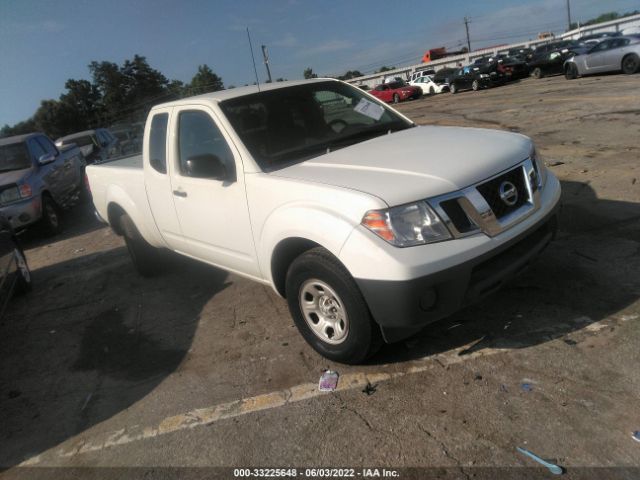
{"points": [[197, 367]]}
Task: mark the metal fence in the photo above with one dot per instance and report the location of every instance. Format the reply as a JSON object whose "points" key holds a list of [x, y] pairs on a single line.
{"points": [[619, 25]]}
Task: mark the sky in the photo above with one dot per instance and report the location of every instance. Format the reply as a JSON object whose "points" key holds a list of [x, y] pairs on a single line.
{"points": [[44, 43]]}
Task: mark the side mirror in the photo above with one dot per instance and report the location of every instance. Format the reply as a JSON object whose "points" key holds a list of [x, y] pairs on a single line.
{"points": [[206, 165], [46, 158]]}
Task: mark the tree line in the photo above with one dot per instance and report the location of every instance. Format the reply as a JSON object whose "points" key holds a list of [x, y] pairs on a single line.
{"points": [[115, 94]]}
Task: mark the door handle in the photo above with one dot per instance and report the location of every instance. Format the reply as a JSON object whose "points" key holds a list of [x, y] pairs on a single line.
{"points": [[180, 193]]}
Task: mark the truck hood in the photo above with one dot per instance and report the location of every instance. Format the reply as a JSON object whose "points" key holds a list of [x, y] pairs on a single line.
{"points": [[416, 163], [14, 176]]}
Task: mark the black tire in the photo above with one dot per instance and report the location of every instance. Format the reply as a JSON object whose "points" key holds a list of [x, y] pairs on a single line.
{"points": [[396, 98], [23, 274], [537, 72], [363, 337], [51, 222], [630, 64], [475, 85], [571, 72], [146, 258], [453, 89]]}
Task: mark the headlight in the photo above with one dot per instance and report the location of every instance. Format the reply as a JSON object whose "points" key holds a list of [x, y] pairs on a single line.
{"points": [[407, 225], [10, 195], [538, 167], [484, 75]]}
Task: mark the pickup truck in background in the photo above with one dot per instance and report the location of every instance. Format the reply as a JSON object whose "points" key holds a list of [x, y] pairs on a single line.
{"points": [[371, 227], [96, 145], [37, 179]]}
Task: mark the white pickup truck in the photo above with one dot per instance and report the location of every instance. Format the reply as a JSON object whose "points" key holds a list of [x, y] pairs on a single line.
{"points": [[370, 226]]}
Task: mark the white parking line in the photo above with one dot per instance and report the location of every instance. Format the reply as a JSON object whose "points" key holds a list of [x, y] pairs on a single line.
{"points": [[206, 416]]}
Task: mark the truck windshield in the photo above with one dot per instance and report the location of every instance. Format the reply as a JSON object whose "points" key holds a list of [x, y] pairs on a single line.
{"points": [[14, 157], [288, 125]]}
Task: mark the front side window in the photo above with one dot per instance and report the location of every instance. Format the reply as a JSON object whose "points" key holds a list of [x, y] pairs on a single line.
{"points": [[47, 145], [199, 137], [290, 125], [158, 142], [37, 150]]}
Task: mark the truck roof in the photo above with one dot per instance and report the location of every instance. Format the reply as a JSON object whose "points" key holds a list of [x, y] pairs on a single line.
{"points": [[18, 138], [223, 95]]}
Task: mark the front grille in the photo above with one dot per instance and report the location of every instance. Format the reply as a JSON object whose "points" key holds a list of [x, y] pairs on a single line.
{"points": [[491, 192], [457, 216]]}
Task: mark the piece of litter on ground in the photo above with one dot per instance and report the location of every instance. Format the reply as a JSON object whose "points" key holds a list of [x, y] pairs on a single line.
{"points": [[328, 381], [555, 164], [568, 341], [553, 468], [503, 389], [636, 435], [78, 250], [370, 389], [526, 387]]}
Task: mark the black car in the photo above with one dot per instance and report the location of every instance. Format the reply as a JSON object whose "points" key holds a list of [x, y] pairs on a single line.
{"points": [[551, 62], [472, 77], [15, 277], [523, 54], [444, 76]]}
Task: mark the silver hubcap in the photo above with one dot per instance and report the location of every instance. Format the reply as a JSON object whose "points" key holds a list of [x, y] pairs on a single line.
{"points": [[22, 266], [323, 311]]}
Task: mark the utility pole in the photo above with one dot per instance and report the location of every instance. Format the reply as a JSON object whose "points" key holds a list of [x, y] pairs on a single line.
{"points": [[466, 26], [568, 15], [266, 61]]}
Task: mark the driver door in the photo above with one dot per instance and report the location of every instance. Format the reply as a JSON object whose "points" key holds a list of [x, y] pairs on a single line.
{"points": [[595, 61], [213, 213]]}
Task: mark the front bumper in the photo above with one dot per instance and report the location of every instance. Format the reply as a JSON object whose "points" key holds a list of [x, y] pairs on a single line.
{"points": [[23, 213], [408, 288], [404, 307]]}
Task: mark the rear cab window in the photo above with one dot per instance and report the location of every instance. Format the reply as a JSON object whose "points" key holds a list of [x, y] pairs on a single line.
{"points": [[158, 142]]}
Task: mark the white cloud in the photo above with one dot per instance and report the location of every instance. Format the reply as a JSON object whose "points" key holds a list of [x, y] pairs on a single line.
{"points": [[287, 41], [328, 46]]}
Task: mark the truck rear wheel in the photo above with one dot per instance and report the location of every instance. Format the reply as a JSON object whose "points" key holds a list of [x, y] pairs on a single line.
{"points": [[329, 310], [145, 258]]}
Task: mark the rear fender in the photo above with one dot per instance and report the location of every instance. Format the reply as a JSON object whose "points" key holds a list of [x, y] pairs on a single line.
{"points": [[117, 196]]}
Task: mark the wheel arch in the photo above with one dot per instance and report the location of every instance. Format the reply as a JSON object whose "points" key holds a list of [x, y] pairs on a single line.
{"points": [[284, 253]]}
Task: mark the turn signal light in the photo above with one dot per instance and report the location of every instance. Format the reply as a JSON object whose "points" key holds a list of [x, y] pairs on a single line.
{"points": [[377, 223], [25, 191]]}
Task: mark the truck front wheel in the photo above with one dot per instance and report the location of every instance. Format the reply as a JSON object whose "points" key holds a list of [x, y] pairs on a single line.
{"points": [[145, 257], [329, 310]]}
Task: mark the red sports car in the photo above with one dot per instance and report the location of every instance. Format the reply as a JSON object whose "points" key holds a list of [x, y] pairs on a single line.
{"points": [[395, 92]]}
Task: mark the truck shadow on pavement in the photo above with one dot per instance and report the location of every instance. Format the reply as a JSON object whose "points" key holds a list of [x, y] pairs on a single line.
{"points": [[90, 341], [588, 274]]}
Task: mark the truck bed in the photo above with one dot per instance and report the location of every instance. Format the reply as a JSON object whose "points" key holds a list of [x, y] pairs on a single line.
{"points": [[121, 181]]}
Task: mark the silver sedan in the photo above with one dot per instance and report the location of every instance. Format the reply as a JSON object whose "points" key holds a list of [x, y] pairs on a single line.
{"points": [[610, 55]]}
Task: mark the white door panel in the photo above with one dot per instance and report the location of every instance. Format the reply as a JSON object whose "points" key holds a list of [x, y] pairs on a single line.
{"points": [[213, 214]]}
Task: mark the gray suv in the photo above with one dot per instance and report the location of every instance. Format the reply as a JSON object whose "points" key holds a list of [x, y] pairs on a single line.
{"points": [[37, 178]]}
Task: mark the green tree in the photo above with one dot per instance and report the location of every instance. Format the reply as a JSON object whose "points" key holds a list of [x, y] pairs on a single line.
{"points": [[205, 81], [385, 69], [350, 74], [308, 73]]}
